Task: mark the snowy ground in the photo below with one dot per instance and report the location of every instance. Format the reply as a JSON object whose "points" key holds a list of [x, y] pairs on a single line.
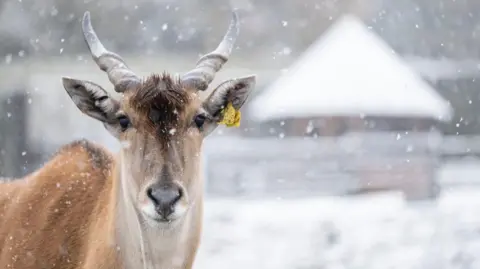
{"points": [[364, 232]]}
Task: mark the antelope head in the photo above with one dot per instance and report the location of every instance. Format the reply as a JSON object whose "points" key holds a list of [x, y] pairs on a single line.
{"points": [[160, 122]]}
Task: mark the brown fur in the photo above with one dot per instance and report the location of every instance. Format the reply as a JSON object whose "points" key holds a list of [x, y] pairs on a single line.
{"points": [[65, 214], [163, 101], [59, 216]]}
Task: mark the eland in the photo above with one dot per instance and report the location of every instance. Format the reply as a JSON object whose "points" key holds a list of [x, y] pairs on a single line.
{"points": [[87, 208]]}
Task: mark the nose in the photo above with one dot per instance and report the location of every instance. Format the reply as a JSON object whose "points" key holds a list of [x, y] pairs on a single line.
{"points": [[164, 198]]}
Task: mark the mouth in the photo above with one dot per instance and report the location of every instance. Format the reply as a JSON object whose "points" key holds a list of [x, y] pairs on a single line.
{"points": [[158, 221], [157, 217], [162, 219], [152, 215]]}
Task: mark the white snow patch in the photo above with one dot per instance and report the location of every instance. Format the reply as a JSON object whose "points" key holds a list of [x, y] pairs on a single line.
{"points": [[364, 232]]}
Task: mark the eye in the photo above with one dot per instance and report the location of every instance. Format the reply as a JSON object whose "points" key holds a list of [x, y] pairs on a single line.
{"points": [[124, 122], [199, 120]]}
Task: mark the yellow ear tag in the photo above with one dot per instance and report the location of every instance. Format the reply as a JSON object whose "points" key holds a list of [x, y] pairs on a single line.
{"points": [[231, 116]]}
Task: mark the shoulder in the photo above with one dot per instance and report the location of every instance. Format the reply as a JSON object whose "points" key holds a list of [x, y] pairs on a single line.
{"points": [[93, 154]]}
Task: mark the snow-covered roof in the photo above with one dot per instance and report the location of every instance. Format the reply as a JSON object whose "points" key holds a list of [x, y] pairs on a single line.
{"points": [[349, 71]]}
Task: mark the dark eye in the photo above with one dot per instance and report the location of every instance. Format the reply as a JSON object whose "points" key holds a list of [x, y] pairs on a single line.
{"points": [[199, 120], [124, 122]]}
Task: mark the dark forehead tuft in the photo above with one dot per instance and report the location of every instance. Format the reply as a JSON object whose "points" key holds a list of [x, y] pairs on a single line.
{"points": [[160, 91], [162, 100]]}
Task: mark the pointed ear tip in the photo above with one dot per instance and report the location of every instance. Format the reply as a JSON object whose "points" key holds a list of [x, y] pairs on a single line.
{"points": [[67, 80], [69, 83], [251, 78]]}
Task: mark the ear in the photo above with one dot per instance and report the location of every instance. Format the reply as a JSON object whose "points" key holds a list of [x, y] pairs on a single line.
{"points": [[93, 101], [234, 91]]}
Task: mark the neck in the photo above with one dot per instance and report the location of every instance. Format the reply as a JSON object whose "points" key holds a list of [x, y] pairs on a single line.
{"points": [[147, 245]]}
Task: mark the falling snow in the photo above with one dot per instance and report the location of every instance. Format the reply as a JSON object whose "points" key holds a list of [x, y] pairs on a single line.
{"points": [[8, 58], [347, 110], [125, 144]]}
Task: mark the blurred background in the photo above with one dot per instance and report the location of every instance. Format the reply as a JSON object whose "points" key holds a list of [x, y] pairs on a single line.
{"points": [[358, 148]]}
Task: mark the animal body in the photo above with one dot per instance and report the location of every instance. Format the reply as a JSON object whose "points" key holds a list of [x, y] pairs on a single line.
{"points": [[87, 208]]}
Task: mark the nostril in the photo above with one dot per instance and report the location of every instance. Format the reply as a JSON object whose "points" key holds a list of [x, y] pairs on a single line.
{"points": [[150, 195], [179, 194]]}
